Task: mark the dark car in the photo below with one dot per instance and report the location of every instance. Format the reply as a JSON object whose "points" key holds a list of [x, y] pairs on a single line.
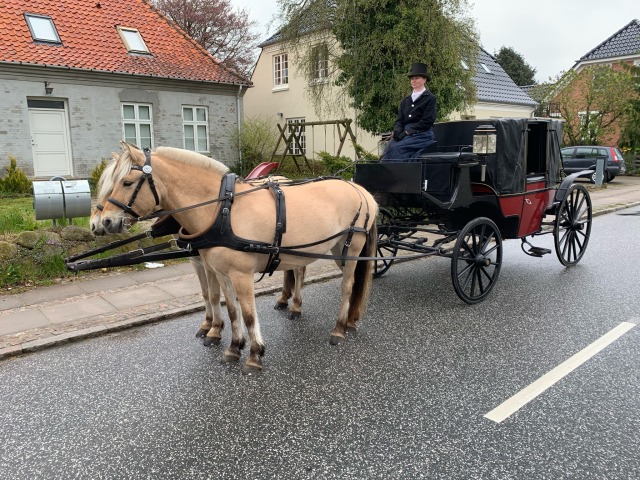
{"points": [[578, 158]]}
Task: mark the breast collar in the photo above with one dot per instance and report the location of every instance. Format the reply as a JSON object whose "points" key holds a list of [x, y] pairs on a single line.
{"points": [[220, 234]]}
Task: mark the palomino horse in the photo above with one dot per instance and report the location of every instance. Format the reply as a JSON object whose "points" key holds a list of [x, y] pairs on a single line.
{"points": [[211, 328], [245, 230]]}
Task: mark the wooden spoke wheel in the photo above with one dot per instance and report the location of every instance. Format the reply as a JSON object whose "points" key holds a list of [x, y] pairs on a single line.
{"points": [[573, 225], [384, 248], [476, 260]]}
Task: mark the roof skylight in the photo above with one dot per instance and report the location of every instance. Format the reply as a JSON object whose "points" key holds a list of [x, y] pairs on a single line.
{"points": [[132, 40], [42, 28]]}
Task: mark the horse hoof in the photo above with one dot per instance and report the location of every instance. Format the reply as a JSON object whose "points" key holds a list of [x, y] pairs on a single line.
{"points": [[352, 329], [229, 359], [251, 369], [201, 333], [336, 340], [294, 315], [208, 341], [280, 306]]}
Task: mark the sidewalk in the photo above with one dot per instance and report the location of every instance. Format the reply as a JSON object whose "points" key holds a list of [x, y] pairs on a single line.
{"points": [[89, 307]]}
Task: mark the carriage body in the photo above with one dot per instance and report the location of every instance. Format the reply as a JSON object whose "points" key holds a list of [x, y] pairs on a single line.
{"points": [[447, 187]]}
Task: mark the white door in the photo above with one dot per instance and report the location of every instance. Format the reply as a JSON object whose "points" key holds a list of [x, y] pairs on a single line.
{"points": [[50, 142]]}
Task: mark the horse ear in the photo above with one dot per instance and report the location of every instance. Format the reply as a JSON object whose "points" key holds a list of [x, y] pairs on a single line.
{"points": [[116, 156]]}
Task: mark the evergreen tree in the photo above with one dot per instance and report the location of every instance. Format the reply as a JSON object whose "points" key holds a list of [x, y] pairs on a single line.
{"points": [[513, 63]]}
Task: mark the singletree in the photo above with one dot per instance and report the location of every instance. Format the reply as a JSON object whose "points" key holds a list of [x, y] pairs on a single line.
{"points": [[365, 48], [513, 63], [226, 33]]}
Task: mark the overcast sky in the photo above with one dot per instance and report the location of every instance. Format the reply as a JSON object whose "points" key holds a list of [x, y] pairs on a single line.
{"points": [[549, 34]]}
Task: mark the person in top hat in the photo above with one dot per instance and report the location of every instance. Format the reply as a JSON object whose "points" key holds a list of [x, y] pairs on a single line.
{"points": [[413, 129]]}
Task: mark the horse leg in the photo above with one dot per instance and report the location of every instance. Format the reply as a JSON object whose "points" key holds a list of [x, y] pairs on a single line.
{"points": [[214, 334], [363, 278], [234, 350], [339, 331], [288, 284], [296, 308], [201, 273], [246, 297]]}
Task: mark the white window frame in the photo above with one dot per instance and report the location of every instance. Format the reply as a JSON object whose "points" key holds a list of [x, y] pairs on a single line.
{"points": [[195, 123], [38, 26], [280, 71], [293, 147], [137, 122], [464, 65], [132, 40], [485, 68], [320, 63]]}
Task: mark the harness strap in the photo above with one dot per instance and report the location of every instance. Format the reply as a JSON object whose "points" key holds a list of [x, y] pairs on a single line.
{"points": [[146, 176]]}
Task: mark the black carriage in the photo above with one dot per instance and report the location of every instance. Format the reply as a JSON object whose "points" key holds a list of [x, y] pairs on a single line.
{"points": [[484, 181]]}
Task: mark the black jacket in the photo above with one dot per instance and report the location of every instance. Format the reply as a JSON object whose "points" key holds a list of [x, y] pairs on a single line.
{"points": [[419, 115]]}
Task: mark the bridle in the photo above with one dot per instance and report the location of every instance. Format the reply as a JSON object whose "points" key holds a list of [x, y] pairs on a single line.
{"points": [[146, 176]]}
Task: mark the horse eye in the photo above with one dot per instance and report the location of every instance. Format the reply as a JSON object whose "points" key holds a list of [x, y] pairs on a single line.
{"points": [[128, 183]]}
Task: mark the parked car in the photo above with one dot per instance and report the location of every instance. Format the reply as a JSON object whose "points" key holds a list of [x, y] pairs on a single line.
{"points": [[577, 158]]}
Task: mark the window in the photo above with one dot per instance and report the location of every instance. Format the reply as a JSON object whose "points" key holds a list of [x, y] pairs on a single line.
{"points": [[588, 125], [280, 70], [132, 40], [297, 125], [464, 65], [137, 125], [320, 57], [195, 126], [485, 68], [42, 28]]}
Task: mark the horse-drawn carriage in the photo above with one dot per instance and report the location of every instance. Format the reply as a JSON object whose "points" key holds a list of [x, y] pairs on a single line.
{"points": [[483, 182]]}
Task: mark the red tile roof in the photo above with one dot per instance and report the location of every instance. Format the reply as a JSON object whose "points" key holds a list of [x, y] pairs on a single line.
{"points": [[90, 40]]}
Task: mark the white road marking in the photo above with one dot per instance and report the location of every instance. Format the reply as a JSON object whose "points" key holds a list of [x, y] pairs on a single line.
{"points": [[524, 396]]}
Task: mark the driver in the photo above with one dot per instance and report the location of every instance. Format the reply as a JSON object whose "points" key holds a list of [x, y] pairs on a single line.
{"points": [[413, 129]]}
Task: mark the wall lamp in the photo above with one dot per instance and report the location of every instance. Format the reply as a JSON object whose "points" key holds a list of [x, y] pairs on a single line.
{"points": [[47, 88]]}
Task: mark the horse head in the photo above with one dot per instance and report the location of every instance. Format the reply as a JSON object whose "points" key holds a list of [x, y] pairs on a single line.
{"points": [[129, 190]]}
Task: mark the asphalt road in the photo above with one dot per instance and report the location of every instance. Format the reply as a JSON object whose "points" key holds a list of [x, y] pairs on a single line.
{"points": [[404, 398]]}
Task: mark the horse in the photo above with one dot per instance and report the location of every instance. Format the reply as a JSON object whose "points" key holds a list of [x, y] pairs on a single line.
{"points": [[211, 328], [322, 215]]}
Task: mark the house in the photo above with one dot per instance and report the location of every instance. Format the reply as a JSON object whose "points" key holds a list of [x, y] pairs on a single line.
{"points": [[280, 94], [78, 76], [620, 48]]}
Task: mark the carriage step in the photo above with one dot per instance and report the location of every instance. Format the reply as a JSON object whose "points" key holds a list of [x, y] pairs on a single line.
{"points": [[538, 251]]}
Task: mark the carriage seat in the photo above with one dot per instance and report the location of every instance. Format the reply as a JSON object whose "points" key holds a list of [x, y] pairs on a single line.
{"points": [[261, 170], [439, 171]]}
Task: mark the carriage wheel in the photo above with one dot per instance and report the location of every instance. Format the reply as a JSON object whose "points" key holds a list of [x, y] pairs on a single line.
{"points": [[384, 247], [573, 225], [476, 260]]}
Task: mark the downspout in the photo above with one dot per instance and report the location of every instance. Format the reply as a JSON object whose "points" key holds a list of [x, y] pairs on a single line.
{"points": [[239, 128]]}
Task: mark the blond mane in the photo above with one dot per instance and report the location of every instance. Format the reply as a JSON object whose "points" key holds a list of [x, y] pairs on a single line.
{"points": [[122, 166]]}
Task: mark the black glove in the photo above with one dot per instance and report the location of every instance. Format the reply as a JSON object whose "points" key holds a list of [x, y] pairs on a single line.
{"points": [[395, 134], [409, 132], [400, 136]]}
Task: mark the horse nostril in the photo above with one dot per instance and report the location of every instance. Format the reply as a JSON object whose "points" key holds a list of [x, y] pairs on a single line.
{"points": [[106, 222]]}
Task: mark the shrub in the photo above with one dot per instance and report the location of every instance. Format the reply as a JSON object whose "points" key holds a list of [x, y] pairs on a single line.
{"points": [[258, 138], [96, 173], [15, 181], [338, 166]]}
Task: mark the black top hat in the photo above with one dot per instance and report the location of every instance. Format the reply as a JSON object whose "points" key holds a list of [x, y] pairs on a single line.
{"points": [[419, 70]]}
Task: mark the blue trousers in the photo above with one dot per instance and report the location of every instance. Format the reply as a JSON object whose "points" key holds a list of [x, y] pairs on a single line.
{"points": [[406, 149]]}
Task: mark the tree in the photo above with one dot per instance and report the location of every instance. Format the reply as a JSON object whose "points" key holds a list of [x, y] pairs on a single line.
{"points": [[225, 33], [630, 137], [371, 45], [593, 101], [513, 63]]}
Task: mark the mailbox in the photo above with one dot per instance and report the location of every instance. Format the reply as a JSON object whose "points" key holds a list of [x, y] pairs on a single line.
{"points": [[61, 198], [48, 201], [77, 198]]}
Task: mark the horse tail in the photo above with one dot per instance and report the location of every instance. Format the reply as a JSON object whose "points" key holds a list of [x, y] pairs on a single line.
{"points": [[363, 276]]}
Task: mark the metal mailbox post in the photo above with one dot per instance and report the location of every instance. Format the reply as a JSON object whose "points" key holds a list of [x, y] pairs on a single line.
{"points": [[61, 198]]}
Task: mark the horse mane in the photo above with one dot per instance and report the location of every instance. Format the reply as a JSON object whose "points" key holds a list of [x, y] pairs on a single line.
{"points": [[106, 182], [122, 166], [191, 158]]}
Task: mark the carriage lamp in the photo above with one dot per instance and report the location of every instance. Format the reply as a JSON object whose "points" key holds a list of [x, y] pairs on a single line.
{"points": [[484, 143]]}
